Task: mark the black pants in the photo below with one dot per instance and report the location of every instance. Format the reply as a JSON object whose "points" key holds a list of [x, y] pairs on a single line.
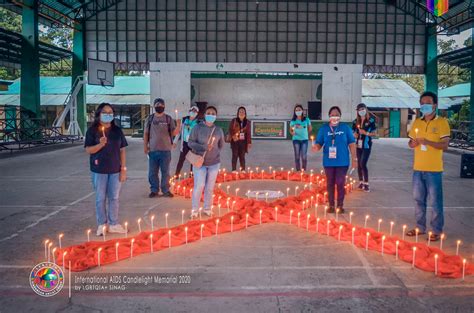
{"points": [[336, 177], [182, 157], [238, 152], [363, 157]]}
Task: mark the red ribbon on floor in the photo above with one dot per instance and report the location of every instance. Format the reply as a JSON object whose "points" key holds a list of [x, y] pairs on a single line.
{"points": [[85, 256]]}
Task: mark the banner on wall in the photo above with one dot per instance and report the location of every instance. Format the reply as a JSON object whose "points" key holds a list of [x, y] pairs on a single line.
{"points": [[269, 129]]}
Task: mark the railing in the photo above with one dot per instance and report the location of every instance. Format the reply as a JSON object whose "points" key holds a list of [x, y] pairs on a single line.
{"points": [[21, 131], [460, 135]]}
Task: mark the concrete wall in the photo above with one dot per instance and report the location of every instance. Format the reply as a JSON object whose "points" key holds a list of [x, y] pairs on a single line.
{"points": [[263, 98], [342, 86]]}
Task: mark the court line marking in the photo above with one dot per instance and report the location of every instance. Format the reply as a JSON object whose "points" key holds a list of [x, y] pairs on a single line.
{"points": [[367, 267], [44, 218]]}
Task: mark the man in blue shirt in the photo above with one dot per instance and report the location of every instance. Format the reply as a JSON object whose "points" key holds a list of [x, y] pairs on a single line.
{"points": [[337, 140]]}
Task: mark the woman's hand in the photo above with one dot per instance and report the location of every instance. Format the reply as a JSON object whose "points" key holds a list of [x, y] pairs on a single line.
{"points": [[123, 174], [362, 132], [103, 140], [249, 146], [354, 163]]}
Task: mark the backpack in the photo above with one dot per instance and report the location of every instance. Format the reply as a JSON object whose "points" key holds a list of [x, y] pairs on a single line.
{"points": [[168, 121]]}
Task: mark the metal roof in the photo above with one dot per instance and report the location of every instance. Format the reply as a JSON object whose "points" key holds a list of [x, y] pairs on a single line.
{"points": [[10, 50], [389, 93], [461, 58], [459, 90]]}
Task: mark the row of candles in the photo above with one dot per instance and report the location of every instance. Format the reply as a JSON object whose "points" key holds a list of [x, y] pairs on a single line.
{"points": [[52, 251]]}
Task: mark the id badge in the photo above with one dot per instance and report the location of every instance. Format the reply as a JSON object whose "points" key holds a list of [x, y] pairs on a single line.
{"points": [[242, 136], [423, 148], [359, 143], [332, 152]]}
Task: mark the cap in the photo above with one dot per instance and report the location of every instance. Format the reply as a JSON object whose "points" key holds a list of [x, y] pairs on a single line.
{"points": [[195, 108], [159, 101], [361, 105]]}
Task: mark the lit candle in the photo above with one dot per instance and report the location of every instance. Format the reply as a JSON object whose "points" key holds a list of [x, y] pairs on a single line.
{"points": [[397, 243], [339, 235], [350, 217], [152, 218], [458, 243], [317, 224], [288, 176], [60, 237], [104, 228], [131, 247], [169, 238], [126, 229], [202, 227], [46, 248], [288, 191], [301, 177], [312, 197], [231, 223], [367, 241], [233, 204], [441, 242], [219, 206], [378, 226], [274, 175], [353, 232], [414, 255], [327, 227], [116, 250], [316, 210], [139, 222], [464, 269], [182, 216], [166, 220], [403, 231], [237, 191], [429, 237], [416, 133], [366, 219], [416, 234], [260, 216], [296, 190], [307, 222], [98, 257], [54, 255], [64, 264], [325, 211], [176, 112], [186, 233], [337, 215], [436, 264], [299, 214], [312, 140], [383, 242], [246, 220], [266, 196], [291, 214], [103, 131], [391, 227], [217, 225], [263, 171], [88, 235]]}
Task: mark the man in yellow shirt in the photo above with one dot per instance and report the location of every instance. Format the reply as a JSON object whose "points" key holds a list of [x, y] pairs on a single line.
{"points": [[429, 137]]}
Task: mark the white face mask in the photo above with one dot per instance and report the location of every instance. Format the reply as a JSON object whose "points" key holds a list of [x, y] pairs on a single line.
{"points": [[334, 120], [362, 112]]}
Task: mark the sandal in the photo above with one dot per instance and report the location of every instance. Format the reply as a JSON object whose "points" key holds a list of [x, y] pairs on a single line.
{"points": [[434, 237], [412, 233]]}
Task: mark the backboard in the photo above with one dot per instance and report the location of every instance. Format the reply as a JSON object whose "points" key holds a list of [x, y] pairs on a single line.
{"points": [[100, 73]]}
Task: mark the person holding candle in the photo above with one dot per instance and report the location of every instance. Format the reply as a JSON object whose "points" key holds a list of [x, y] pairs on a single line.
{"points": [[158, 142], [364, 128], [206, 139], [239, 137], [300, 127], [105, 143], [337, 141], [429, 137], [188, 124]]}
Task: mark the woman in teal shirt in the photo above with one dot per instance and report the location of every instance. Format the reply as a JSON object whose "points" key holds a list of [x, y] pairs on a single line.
{"points": [[300, 127], [188, 124], [337, 141]]}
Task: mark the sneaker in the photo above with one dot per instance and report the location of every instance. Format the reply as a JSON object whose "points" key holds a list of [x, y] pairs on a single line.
{"points": [[366, 188], [361, 186], [168, 195], [208, 212], [194, 214], [118, 229], [152, 194], [100, 230], [331, 210]]}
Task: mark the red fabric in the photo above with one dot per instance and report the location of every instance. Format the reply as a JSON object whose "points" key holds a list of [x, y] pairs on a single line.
{"points": [[85, 256]]}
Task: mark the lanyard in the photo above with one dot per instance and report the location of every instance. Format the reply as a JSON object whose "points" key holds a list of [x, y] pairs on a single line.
{"points": [[333, 134]]}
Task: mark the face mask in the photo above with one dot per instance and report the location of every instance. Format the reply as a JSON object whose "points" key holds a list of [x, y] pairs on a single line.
{"points": [[159, 109], [106, 118], [334, 120], [426, 109], [362, 112], [192, 114], [298, 113], [210, 118]]}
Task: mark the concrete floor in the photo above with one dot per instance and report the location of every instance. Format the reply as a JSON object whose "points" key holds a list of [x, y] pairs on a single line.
{"points": [[263, 269]]}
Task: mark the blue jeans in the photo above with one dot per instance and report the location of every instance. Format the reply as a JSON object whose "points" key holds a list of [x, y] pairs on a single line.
{"points": [[301, 152], [107, 189], [336, 177], [159, 160], [204, 178], [428, 186]]}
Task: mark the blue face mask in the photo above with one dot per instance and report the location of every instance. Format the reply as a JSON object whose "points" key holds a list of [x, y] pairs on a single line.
{"points": [[106, 118], [210, 118], [192, 114], [426, 109], [362, 112], [298, 113]]}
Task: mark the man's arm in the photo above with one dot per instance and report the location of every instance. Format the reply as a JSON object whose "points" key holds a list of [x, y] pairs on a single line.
{"points": [[442, 145]]}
